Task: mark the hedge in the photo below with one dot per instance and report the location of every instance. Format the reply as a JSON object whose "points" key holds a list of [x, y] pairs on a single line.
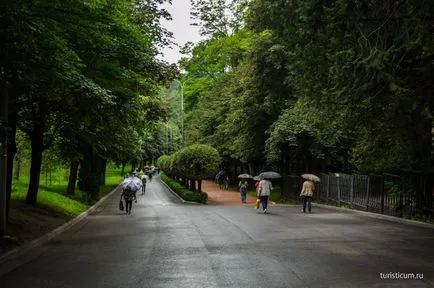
{"points": [[184, 193]]}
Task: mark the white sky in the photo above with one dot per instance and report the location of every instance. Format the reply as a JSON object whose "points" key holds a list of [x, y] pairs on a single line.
{"points": [[181, 29]]}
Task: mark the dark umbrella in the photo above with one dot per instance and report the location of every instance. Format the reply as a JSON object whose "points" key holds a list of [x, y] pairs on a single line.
{"points": [[269, 175]]}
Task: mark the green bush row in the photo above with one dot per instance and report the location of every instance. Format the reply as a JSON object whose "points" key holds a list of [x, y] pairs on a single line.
{"points": [[184, 193]]}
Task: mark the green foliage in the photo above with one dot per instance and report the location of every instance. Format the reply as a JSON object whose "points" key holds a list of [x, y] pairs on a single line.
{"points": [[198, 161], [194, 162], [305, 84], [187, 195], [84, 73]]}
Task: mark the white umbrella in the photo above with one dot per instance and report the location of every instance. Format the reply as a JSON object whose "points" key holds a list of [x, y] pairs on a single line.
{"points": [[133, 183], [311, 177], [269, 175], [245, 176]]}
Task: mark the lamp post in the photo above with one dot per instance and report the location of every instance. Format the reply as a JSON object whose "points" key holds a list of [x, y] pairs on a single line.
{"points": [[182, 107]]}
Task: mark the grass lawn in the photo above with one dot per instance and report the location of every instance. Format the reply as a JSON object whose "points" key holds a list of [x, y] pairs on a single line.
{"points": [[53, 197]]}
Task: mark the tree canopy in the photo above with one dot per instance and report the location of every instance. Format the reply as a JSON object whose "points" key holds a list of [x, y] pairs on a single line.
{"points": [[310, 85], [82, 76]]}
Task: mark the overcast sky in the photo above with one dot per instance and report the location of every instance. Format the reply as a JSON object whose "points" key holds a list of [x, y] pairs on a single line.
{"points": [[180, 27]]}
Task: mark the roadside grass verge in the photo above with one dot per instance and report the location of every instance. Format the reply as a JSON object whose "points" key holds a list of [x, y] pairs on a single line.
{"points": [[54, 197], [183, 192]]}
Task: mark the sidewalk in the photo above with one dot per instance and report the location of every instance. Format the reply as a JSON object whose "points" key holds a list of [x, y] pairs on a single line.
{"points": [[218, 196]]}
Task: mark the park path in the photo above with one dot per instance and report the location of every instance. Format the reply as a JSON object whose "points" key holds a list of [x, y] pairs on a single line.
{"points": [[165, 243], [228, 197]]}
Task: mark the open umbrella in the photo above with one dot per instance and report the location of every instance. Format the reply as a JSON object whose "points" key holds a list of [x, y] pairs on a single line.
{"points": [[257, 178], [132, 183], [245, 176], [269, 175], [311, 177]]}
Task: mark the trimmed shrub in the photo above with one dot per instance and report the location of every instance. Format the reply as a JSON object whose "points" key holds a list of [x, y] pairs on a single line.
{"points": [[183, 192]]}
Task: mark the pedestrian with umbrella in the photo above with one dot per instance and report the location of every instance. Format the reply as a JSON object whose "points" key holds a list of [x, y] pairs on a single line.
{"points": [[265, 187], [307, 191], [128, 195], [243, 186], [130, 187]]}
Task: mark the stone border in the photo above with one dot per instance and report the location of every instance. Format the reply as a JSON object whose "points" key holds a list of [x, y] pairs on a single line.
{"points": [[179, 197], [377, 216], [14, 253]]}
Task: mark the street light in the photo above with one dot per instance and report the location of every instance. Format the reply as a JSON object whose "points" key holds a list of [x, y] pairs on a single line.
{"points": [[182, 106]]}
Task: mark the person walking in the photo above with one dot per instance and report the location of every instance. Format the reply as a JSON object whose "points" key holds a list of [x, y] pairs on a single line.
{"points": [[257, 186], [149, 174], [306, 195], [264, 192], [144, 179], [243, 190], [128, 195]]}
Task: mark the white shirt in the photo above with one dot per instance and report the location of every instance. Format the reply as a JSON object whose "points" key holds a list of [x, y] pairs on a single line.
{"points": [[265, 188]]}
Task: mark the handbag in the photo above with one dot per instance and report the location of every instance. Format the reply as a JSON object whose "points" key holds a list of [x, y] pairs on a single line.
{"points": [[121, 205], [257, 203]]}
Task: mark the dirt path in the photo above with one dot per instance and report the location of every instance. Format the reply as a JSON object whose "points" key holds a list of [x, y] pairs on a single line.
{"points": [[217, 196]]}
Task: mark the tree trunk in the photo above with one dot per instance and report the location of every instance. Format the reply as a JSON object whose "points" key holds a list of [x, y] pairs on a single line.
{"points": [[88, 175], [35, 167], [123, 169], [103, 170], [73, 169], [192, 185], [17, 167], [250, 167], [12, 150], [199, 185]]}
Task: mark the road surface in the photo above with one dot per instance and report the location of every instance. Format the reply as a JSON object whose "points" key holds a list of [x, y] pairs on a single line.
{"points": [[168, 244]]}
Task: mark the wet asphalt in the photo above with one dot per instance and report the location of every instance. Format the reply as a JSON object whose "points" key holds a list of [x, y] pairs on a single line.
{"points": [[165, 243]]}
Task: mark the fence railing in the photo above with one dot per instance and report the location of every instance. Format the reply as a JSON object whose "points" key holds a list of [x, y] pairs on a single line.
{"points": [[396, 195]]}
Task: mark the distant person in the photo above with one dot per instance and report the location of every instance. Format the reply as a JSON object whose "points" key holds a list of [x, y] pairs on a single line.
{"points": [[243, 190], [257, 186], [144, 179], [306, 195], [264, 192], [128, 195], [149, 176], [257, 193], [136, 172]]}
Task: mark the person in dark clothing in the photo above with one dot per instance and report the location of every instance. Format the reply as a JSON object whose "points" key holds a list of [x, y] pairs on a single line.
{"points": [[150, 176], [128, 195]]}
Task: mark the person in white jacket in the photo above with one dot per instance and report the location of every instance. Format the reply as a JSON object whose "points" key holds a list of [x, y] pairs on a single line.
{"points": [[264, 191]]}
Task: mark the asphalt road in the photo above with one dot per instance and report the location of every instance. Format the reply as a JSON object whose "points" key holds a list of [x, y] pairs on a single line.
{"points": [[168, 244]]}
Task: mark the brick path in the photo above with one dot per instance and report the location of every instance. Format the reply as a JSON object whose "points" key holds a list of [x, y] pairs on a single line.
{"points": [[217, 196]]}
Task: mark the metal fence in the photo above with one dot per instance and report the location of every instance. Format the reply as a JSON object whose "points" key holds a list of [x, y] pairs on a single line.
{"points": [[396, 195]]}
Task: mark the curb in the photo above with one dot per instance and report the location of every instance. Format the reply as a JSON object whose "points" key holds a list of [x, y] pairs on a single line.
{"points": [[378, 216], [179, 197], [14, 253]]}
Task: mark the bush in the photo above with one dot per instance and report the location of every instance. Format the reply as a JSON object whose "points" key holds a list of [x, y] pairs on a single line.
{"points": [[199, 161], [183, 192]]}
